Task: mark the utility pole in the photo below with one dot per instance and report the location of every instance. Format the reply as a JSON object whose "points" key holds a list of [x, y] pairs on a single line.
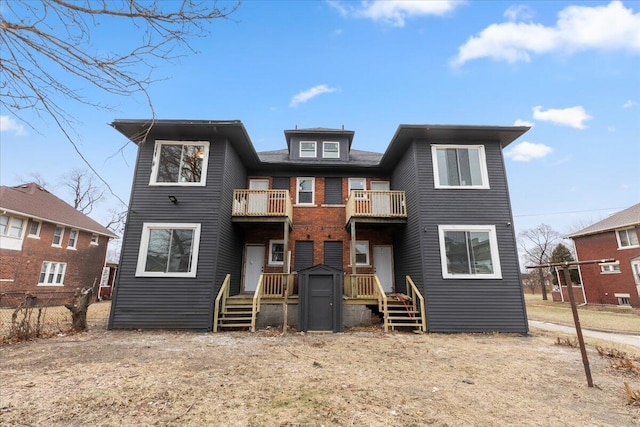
{"points": [[574, 309]]}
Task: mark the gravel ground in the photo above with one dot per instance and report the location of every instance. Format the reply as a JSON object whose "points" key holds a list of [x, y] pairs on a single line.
{"points": [[359, 378]]}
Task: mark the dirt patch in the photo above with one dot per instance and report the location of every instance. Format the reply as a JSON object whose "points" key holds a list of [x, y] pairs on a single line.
{"points": [[359, 378]]}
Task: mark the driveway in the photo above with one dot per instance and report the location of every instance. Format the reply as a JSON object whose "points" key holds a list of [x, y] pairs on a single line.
{"points": [[619, 338]]}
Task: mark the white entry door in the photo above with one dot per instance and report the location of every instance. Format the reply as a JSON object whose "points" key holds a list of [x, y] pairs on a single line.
{"points": [[253, 266], [383, 266], [380, 203], [258, 202]]}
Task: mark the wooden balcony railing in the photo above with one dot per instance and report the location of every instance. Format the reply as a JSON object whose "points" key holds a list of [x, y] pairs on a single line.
{"points": [[376, 204], [262, 203], [270, 285]]}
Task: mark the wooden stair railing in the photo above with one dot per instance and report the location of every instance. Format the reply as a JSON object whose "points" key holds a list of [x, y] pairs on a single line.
{"points": [[221, 301]]}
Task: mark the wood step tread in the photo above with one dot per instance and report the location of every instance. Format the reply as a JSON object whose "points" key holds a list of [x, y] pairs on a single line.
{"points": [[413, 325], [235, 318], [234, 325]]}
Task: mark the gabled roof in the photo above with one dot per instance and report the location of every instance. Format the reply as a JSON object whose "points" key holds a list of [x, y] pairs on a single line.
{"points": [[627, 218], [33, 201], [326, 132]]}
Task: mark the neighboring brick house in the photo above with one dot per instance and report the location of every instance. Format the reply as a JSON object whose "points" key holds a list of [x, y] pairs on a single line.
{"points": [[616, 237], [47, 246], [211, 220]]}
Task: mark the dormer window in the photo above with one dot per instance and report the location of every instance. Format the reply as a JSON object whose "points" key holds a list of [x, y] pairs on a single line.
{"points": [[331, 150], [308, 149]]}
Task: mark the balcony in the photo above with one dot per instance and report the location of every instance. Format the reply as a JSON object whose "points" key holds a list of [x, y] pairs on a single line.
{"points": [[387, 207], [261, 206]]}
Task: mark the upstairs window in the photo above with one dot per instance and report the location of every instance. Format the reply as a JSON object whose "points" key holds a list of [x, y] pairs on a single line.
{"points": [[180, 163], [308, 149], [95, 239], [168, 250], [73, 239], [331, 150], [10, 226], [627, 238], [610, 267], [34, 228], [58, 234], [305, 191], [52, 273], [459, 166], [469, 252]]}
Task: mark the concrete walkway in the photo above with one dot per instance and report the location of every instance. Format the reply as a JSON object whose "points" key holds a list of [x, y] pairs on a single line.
{"points": [[620, 338]]}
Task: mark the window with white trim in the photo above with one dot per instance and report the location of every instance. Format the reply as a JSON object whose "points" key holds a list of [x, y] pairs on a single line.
{"points": [[610, 267], [362, 252], [58, 234], [276, 252], [168, 250], [52, 274], [308, 149], [11, 226], [459, 166], [73, 239], [95, 239], [34, 228], [469, 251], [331, 150], [635, 268], [623, 299], [627, 238], [357, 184], [180, 163], [305, 193]]}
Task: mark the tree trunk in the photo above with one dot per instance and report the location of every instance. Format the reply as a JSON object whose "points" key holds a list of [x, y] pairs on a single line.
{"points": [[79, 307], [542, 286]]}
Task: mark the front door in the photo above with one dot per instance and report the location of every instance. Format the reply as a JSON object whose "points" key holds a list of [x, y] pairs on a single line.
{"points": [[258, 202], [380, 203], [383, 266], [253, 266], [321, 303]]}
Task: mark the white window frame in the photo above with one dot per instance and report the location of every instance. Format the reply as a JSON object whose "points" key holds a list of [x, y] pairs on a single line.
{"points": [[95, 239], [364, 187], [623, 299], [11, 220], [627, 231], [610, 267], [156, 164], [366, 253], [307, 152], [271, 260], [313, 191], [484, 174], [55, 268], [332, 154], [144, 247], [38, 228], [53, 241], [493, 242], [75, 234], [635, 270]]}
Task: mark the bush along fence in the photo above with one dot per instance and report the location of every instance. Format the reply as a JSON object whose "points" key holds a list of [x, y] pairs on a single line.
{"points": [[27, 315]]}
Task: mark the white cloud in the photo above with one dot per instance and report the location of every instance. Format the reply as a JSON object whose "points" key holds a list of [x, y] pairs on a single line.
{"points": [[629, 104], [308, 94], [525, 151], [573, 116], [395, 12], [7, 124], [578, 28], [519, 122], [517, 13]]}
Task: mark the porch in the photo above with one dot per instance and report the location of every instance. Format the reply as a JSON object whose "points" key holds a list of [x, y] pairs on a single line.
{"points": [[276, 289], [373, 206]]}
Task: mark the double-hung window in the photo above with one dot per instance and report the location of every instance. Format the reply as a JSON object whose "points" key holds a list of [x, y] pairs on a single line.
{"points": [[276, 252], [168, 250], [362, 252], [459, 166], [11, 226], [305, 191], [308, 149], [331, 150], [469, 251], [73, 239], [95, 239], [34, 229], [180, 163], [358, 184], [52, 274], [58, 234], [627, 238]]}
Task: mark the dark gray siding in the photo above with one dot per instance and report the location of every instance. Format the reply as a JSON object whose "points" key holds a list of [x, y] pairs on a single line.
{"points": [[181, 303], [333, 191], [333, 254], [303, 255], [469, 305]]}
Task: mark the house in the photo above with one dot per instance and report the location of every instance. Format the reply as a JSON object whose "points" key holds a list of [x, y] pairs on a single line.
{"points": [[422, 233], [616, 237], [47, 248]]}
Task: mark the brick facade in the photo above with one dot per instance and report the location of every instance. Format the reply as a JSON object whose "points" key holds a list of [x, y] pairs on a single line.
{"points": [[20, 269], [600, 288]]}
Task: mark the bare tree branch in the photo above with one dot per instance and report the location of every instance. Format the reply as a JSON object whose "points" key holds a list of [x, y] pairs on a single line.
{"points": [[85, 193], [537, 245]]}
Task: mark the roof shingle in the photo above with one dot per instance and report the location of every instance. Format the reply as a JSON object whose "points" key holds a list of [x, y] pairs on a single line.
{"points": [[625, 218]]}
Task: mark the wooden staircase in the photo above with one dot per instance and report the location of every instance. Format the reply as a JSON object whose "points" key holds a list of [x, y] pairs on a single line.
{"points": [[401, 313], [236, 316]]}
